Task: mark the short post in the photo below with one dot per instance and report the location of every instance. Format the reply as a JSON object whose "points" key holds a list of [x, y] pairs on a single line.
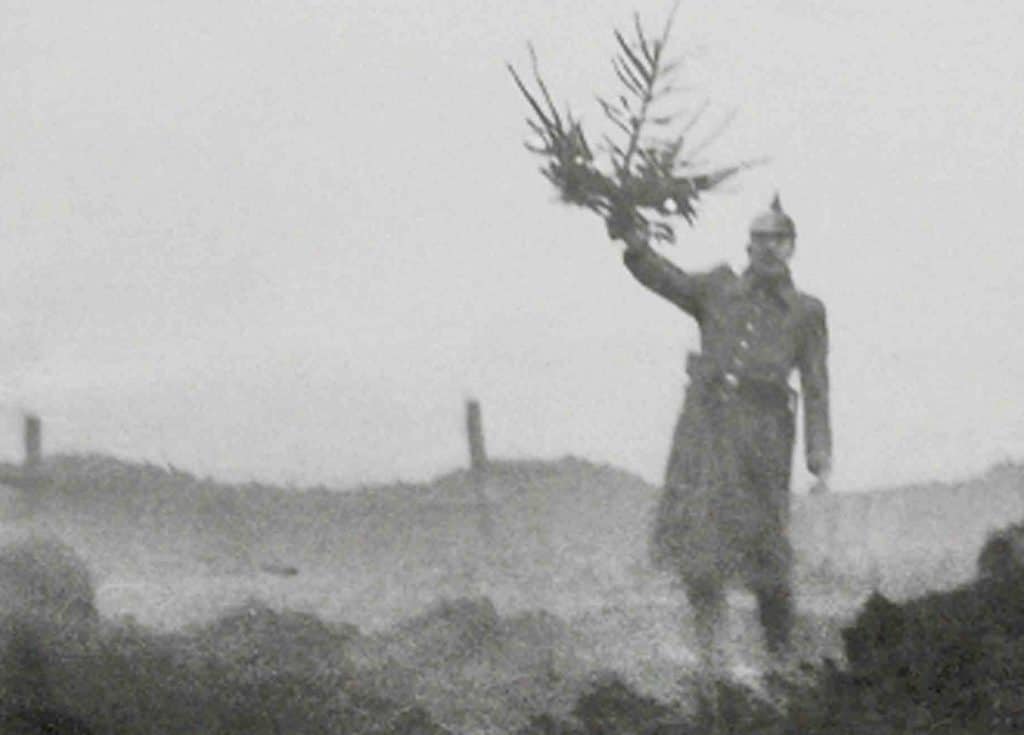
{"points": [[475, 434], [33, 442], [478, 473]]}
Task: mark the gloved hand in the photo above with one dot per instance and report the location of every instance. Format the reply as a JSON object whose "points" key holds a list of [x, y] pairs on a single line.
{"points": [[821, 484], [636, 238]]}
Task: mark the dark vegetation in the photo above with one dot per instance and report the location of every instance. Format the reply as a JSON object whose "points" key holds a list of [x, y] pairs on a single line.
{"points": [[252, 671], [949, 662], [945, 662]]}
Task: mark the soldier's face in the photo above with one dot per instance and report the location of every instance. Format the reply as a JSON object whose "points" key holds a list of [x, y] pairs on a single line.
{"points": [[770, 253]]}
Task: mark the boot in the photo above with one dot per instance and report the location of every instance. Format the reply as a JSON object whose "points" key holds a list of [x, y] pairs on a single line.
{"points": [[775, 608]]}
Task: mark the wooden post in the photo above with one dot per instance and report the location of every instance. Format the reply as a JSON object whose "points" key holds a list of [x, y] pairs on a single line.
{"points": [[475, 434], [33, 442], [481, 564]]}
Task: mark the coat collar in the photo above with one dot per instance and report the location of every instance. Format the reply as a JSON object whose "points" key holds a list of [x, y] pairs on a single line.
{"points": [[780, 289]]}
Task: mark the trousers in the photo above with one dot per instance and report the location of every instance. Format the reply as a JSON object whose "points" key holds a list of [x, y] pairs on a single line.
{"points": [[723, 516]]}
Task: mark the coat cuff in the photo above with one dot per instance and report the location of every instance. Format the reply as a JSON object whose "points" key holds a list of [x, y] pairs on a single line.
{"points": [[818, 463]]}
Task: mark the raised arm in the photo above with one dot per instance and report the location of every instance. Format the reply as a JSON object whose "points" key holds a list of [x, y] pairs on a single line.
{"points": [[813, 366], [663, 277]]}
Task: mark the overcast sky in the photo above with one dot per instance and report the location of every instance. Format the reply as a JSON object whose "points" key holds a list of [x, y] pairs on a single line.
{"points": [[285, 241]]}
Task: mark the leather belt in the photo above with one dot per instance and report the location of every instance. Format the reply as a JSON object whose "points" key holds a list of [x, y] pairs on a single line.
{"points": [[704, 369]]}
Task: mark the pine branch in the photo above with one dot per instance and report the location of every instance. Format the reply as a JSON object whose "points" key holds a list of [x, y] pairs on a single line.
{"points": [[628, 77], [614, 116], [695, 118], [644, 46], [529, 97], [648, 176], [646, 71], [715, 134], [543, 87], [646, 94]]}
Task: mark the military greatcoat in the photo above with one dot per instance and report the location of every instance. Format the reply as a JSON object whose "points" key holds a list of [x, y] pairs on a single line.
{"points": [[724, 511]]}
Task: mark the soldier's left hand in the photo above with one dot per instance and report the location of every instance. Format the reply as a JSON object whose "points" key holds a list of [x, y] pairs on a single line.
{"points": [[821, 484]]}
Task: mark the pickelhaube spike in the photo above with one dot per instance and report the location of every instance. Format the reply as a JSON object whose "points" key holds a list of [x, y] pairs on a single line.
{"points": [[773, 222]]}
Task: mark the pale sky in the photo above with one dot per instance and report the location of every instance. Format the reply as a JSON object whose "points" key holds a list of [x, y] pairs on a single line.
{"points": [[286, 241]]}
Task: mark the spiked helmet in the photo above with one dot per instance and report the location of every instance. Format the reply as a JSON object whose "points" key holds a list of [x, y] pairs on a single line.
{"points": [[773, 222]]}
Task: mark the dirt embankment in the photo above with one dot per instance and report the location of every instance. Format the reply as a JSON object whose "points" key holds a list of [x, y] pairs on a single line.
{"points": [[563, 530], [949, 662], [430, 609]]}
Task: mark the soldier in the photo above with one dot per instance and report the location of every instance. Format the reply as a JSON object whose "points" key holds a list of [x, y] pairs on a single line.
{"points": [[724, 510]]}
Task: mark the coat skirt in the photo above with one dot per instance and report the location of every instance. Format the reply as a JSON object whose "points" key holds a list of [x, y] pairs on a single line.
{"points": [[723, 514]]}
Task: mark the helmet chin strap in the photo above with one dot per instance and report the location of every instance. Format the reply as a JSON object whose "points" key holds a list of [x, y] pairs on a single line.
{"points": [[769, 271]]}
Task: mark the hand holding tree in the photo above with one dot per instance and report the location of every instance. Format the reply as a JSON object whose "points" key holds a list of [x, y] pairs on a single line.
{"points": [[645, 178]]}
